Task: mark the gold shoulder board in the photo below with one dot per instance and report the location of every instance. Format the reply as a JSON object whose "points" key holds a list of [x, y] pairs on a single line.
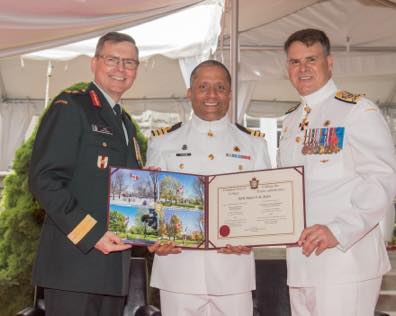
{"points": [[250, 131], [165, 130], [348, 97]]}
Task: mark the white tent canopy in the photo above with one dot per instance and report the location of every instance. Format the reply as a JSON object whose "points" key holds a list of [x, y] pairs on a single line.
{"points": [[362, 32]]}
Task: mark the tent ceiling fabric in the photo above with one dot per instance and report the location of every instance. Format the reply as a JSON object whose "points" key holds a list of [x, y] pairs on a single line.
{"points": [[27, 26], [363, 37]]}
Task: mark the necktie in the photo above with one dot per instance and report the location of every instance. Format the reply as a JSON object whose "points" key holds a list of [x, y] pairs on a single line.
{"points": [[117, 110]]}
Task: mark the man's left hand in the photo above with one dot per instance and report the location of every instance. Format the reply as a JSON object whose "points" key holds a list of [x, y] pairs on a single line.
{"points": [[316, 238]]}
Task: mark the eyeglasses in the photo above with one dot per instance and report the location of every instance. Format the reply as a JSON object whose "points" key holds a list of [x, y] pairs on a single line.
{"points": [[113, 61]]}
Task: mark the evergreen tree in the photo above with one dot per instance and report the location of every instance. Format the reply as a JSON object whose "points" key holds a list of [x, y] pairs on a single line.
{"points": [[21, 218]]}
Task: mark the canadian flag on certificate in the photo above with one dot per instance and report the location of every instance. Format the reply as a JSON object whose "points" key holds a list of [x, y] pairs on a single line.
{"points": [[135, 177], [180, 189]]}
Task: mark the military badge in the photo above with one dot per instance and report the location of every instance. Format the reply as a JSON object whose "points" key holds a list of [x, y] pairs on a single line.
{"points": [[254, 183], [94, 99], [328, 140], [238, 156], [102, 162], [102, 129], [184, 147], [304, 123], [183, 154], [236, 149]]}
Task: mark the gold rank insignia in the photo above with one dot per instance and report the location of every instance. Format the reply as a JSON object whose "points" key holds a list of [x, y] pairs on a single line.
{"points": [[165, 130], [348, 97], [160, 131], [250, 131], [82, 228]]}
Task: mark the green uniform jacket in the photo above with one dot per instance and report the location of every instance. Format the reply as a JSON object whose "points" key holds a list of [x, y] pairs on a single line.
{"points": [[78, 139]]}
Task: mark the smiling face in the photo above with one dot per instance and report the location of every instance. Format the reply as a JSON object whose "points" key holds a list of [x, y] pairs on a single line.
{"points": [[210, 93], [115, 80], [308, 67]]}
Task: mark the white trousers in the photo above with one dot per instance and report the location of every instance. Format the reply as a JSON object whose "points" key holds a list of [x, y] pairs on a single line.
{"points": [[177, 304], [352, 299]]}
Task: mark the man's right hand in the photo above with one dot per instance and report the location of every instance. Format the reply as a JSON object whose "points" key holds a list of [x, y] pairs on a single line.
{"points": [[163, 249], [110, 242]]}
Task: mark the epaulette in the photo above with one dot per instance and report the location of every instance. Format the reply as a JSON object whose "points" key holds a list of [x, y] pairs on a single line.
{"points": [[293, 108], [60, 101], [78, 91], [347, 97], [250, 131], [165, 130]]}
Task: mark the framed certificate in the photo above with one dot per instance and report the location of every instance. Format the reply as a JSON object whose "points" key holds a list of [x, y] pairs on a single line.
{"points": [[256, 208]]}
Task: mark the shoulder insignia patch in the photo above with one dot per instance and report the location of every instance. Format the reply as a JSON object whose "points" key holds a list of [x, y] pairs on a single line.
{"points": [[165, 130], [347, 97], [60, 101], [250, 131], [293, 108]]}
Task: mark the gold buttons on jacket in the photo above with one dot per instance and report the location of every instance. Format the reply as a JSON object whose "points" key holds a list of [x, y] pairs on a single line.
{"points": [[240, 167], [181, 166], [211, 157], [210, 133], [298, 139], [104, 144]]}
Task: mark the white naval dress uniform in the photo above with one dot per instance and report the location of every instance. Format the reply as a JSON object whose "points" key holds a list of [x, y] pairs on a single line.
{"points": [[204, 147], [349, 190]]}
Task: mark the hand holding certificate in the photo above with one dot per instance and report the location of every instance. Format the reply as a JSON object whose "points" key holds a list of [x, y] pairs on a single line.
{"points": [[255, 208]]}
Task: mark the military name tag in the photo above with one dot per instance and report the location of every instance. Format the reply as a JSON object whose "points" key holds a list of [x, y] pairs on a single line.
{"points": [[183, 154], [102, 129], [319, 141]]}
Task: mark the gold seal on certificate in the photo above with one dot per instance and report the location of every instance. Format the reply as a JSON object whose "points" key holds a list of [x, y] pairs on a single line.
{"points": [[256, 208]]}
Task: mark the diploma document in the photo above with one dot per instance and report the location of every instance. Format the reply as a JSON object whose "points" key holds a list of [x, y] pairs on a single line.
{"points": [[254, 208]]}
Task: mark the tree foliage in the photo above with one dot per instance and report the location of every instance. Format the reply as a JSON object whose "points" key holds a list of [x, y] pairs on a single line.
{"points": [[20, 222]]}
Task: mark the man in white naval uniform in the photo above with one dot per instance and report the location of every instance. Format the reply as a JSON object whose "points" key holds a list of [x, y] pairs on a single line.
{"points": [[350, 182], [199, 282]]}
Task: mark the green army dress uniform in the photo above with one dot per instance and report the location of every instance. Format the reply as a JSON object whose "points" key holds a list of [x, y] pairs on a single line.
{"points": [[79, 137]]}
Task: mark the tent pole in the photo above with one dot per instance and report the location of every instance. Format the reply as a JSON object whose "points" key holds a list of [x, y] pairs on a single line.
{"points": [[234, 59], [49, 74]]}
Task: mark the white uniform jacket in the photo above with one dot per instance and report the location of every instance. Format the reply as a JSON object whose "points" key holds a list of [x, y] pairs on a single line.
{"points": [[203, 147], [350, 181]]}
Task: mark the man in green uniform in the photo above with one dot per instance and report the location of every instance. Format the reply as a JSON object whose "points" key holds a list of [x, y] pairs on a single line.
{"points": [[83, 267]]}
